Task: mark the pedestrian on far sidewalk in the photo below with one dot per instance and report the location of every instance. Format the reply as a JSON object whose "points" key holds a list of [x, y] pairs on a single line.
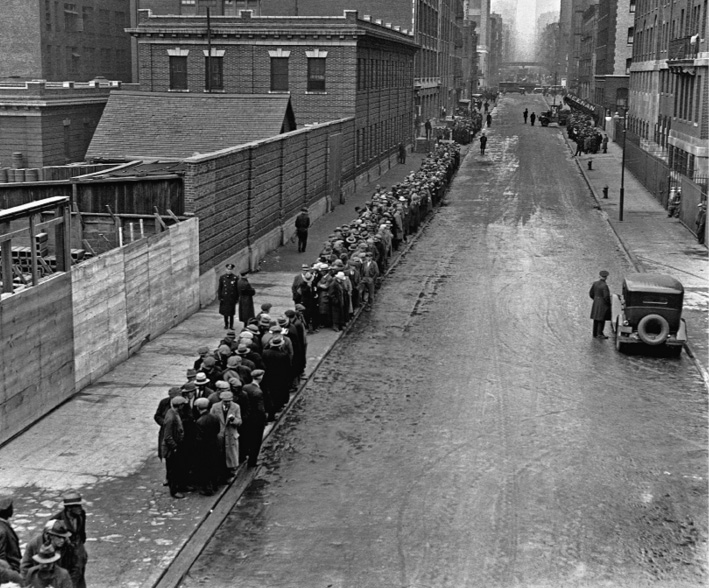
{"points": [[601, 308], [402, 152], [483, 143], [532, 118], [488, 119], [525, 114], [701, 222], [604, 143]]}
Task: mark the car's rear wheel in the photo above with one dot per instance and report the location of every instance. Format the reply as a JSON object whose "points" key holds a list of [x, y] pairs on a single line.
{"points": [[653, 329]]}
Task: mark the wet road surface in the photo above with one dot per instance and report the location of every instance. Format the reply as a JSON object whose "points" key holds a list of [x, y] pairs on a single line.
{"points": [[469, 431]]}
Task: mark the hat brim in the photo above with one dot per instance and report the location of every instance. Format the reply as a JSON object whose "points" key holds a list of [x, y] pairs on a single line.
{"points": [[43, 560]]}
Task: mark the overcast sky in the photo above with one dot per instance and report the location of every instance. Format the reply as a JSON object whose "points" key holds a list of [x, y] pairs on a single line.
{"points": [[525, 13]]}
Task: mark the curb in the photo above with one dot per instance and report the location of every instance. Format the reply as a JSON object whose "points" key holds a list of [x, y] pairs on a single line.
{"points": [[637, 264], [227, 498]]}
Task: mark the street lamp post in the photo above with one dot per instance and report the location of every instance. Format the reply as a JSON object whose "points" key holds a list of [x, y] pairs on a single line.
{"points": [[622, 173]]}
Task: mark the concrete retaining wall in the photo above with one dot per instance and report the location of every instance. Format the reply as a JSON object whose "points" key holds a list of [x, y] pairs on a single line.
{"points": [[36, 354], [65, 333]]}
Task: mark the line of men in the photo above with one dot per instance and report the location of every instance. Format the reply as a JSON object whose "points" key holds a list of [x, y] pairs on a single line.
{"points": [[55, 557], [216, 419], [356, 255]]}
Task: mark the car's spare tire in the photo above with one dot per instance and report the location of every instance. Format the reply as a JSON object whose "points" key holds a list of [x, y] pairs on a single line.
{"points": [[653, 329]]}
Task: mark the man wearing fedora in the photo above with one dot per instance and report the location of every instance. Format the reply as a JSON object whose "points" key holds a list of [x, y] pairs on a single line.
{"points": [[207, 445], [56, 534], [45, 572], [228, 296], [73, 516], [601, 308], [9, 543], [302, 224]]}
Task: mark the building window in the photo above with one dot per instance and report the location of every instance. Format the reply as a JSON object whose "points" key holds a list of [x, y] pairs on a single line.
{"points": [[316, 74], [72, 61], [178, 72], [87, 15], [279, 74], [72, 22], [632, 6], [47, 15], [213, 69], [188, 7], [631, 33]]}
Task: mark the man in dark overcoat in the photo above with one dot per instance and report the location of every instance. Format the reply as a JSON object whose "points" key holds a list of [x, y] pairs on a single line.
{"points": [[228, 296], [302, 224], [601, 308], [173, 447], [207, 445], [9, 543], [246, 299], [73, 516]]}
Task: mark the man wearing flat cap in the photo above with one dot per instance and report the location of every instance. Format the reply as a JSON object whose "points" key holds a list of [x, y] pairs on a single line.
{"points": [[46, 571], [228, 296], [302, 224], [601, 308], [73, 516], [229, 415], [9, 543]]}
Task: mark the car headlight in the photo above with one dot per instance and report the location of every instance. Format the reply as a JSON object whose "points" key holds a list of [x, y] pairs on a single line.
{"points": [[626, 323]]}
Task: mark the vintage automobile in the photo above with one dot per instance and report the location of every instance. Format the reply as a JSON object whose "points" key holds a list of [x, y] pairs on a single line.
{"points": [[649, 311]]}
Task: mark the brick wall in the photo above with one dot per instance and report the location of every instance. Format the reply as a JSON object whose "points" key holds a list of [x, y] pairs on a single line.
{"points": [[244, 193]]}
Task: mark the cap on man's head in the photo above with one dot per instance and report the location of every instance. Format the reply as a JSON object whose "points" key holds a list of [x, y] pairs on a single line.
{"points": [[224, 350], [72, 498], [46, 554], [178, 400], [305, 266], [191, 373], [304, 209], [603, 274], [230, 266], [243, 349], [209, 361], [201, 403], [231, 334], [222, 385], [189, 387], [226, 395], [266, 306], [57, 528], [174, 391], [201, 379], [203, 350], [257, 373], [233, 361]]}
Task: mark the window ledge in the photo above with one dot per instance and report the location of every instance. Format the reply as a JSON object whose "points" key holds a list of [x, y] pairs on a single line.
{"points": [[323, 92], [173, 90], [214, 91], [279, 91]]}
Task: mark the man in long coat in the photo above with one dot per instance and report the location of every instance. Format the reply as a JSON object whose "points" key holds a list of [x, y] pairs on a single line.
{"points": [[228, 296], [246, 299], [73, 516], [207, 427], [302, 224], [9, 543], [601, 308], [229, 416], [173, 447]]}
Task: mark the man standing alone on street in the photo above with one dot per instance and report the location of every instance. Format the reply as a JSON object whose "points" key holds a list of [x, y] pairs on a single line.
{"points": [[483, 143], [532, 118], [601, 309], [302, 224], [228, 296], [525, 114]]}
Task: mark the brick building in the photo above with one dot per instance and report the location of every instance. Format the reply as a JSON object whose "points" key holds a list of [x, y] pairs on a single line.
{"points": [[74, 40], [49, 123], [613, 57], [436, 26], [332, 68], [669, 79]]}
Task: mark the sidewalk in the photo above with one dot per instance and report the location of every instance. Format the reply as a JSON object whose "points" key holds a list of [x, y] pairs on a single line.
{"points": [[103, 442], [653, 241]]}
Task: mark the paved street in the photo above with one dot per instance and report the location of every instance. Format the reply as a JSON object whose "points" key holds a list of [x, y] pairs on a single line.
{"points": [[469, 431]]}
